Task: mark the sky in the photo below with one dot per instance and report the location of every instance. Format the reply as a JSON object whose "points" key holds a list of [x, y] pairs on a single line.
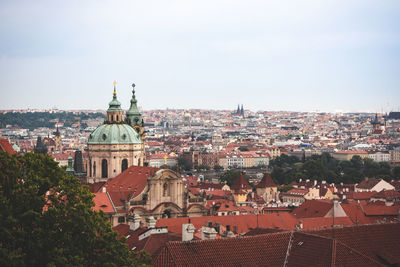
{"points": [[272, 55]]}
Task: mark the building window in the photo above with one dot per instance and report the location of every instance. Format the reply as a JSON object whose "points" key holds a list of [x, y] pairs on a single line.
{"points": [[166, 214], [124, 165], [121, 219], [94, 169], [104, 169]]}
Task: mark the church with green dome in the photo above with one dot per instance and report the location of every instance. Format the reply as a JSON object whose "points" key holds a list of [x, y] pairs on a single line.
{"points": [[116, 144]]}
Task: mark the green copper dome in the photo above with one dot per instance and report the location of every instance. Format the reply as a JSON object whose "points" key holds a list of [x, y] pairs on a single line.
{"points": [[114, 134]]}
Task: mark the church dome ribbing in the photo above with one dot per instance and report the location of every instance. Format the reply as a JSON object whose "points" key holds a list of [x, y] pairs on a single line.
{"points": [[114, 134]]}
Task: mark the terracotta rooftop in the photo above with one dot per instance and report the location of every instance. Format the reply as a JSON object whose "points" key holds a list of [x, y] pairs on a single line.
{"points": [[378, 241], [103, 202], [129, 184], [360, 195], [368, 183], [324, 223], [296, 192], [274, 249], [240, 184], [387, 194], [5, 146], [266, 181], [284, 221], [313, 208]]}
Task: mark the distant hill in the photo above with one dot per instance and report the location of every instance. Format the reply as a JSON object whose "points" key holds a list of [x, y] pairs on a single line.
{"points": [[32, 120]]}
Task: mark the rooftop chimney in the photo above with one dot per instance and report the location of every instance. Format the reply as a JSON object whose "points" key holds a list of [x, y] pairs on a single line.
{"points": [[208, 233], [151, 222], [187, 231], [134, 222]]}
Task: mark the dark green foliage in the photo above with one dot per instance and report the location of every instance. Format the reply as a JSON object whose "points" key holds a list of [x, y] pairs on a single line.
{"points": [[202, 167], [230, 176], [59, 229], [396, 172], [184, 163], [218, 167], [285, 188], [287, 169], [32, 120]]}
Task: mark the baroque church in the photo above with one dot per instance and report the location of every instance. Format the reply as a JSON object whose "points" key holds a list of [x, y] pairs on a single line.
{"points": [[116, 144], [116, 156]]}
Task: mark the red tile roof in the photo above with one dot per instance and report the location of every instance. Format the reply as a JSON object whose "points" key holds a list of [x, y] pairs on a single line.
{"points": [[103, 202], [323, 223], [368, 183], [243, 223], [151, 245], [381, 210], [313, 208], [240, 184], [387, 194], [95, 187], [379, 241], [266, 181], [360, 195], [262, 250], [5, 146], [354, 211], [296, 192], [275, 249], [129, 184]]}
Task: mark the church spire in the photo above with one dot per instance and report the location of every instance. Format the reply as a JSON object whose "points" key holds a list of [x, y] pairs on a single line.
{"points": [[114, 111], [133, 115]]}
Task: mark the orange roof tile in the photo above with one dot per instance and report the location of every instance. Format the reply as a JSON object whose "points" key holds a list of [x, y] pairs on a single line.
{"points": [[5, 146], [242, 222], [102, 202]]}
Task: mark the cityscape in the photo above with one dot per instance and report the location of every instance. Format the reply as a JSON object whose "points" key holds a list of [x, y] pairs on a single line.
{"points": [[257, 134]]}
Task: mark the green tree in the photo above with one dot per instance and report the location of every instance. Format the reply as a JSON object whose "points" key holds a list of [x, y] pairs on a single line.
{"points": [[396, 172], [46, 218], [229, 177], [218, 167], [184, 163]]}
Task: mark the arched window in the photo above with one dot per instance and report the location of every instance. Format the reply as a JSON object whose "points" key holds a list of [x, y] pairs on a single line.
{"points": [[165, 189], [104, 168], [124, 165], [166, 214], [117, 117], [94, 169], [138, 162]]}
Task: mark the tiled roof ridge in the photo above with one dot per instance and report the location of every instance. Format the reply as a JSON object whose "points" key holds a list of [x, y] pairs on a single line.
{"points": [[365, 225], [356, 251], [231, 238]]}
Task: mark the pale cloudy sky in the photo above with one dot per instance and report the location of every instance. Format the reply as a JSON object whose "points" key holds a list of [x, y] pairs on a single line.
{"points": [[301, 55]]}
